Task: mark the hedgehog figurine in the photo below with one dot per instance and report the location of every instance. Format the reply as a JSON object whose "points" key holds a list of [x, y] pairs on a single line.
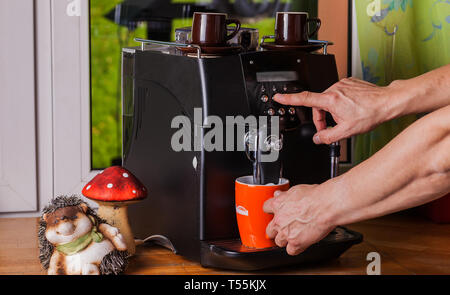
{"points": [[73, 240]]}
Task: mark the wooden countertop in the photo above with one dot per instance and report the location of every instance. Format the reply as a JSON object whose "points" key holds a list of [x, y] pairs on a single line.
{"points": [[407, 244]]}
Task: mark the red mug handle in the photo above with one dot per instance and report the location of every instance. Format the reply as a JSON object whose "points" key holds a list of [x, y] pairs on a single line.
{"points": [[238, 27], [318, 23]]}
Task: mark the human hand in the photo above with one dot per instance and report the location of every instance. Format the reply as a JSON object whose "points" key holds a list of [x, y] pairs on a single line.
{"points": [[356, 106], [302, 216]]}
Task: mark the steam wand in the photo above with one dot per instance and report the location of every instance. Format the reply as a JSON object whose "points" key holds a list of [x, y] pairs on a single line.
{"points": [[335, 153]]}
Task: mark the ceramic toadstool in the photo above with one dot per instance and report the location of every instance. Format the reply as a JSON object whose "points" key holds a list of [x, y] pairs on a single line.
{"points": [[114, 189]]}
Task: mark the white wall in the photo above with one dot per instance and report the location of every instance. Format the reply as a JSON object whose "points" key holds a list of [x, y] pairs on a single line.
{"points": [[18, 159]]}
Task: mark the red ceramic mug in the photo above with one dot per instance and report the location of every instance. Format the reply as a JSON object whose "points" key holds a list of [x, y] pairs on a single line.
{"points": [[251, 219]]}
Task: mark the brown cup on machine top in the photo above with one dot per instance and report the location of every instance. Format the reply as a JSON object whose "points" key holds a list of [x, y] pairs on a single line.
{"points": [[292, 28], [210, 29]]}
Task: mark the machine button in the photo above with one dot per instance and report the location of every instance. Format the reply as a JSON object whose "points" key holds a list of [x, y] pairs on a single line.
{"points": [[285, 89], [263, 89], [281, 112], [274, 89], [264, 98], [291, 111], [271, 112]]}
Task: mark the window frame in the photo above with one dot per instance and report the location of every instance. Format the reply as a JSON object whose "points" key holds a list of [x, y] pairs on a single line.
{"points": [[62, 79], [71, 97], [18, 155]]}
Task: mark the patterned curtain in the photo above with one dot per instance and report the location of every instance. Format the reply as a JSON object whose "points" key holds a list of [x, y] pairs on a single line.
{"points": [[399, 39]]}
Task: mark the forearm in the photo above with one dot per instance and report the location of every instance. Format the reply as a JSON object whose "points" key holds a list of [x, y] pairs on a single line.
{"points": [[411, 170], [425, 93]]}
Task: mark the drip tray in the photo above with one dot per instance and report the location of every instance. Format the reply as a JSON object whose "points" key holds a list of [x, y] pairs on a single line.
{"points": [[231, 254]]}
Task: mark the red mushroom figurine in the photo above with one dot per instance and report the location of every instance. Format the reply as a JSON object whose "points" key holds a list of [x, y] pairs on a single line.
{"points": [[114, 189]]}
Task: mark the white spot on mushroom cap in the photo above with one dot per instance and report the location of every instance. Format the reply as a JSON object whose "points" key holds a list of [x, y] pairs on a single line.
{"points": [[125, 175], [110, 185], [134, 191], [88, 187]]}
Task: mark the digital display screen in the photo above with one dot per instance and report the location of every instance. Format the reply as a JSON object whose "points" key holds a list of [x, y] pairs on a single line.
{"points": [[285, 76]]}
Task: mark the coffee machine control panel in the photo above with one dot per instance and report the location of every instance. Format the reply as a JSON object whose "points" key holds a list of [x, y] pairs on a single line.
{"points": [[267, 73], [264, 104]]}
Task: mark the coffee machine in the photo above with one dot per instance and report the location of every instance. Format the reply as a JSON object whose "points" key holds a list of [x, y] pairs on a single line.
{"points": [[191, 203]]}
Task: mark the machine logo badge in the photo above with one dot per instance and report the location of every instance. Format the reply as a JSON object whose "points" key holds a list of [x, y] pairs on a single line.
{"points": [[241, 210]]}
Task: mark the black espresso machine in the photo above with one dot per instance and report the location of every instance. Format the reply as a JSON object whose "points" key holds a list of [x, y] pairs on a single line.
{"points": [[191, 205]]}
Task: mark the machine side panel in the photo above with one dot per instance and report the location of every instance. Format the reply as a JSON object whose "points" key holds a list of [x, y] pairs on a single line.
{"points": [[164, 89], [225, 96]]}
